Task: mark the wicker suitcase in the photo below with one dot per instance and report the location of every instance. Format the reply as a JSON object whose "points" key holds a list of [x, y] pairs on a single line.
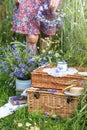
{"points": [[40, 79], [52, 103]]}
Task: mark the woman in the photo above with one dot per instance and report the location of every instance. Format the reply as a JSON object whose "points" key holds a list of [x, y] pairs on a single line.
{"points": [[25, 22]]}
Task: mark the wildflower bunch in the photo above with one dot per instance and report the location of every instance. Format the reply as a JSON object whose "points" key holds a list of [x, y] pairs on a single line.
{"points": [[17, 61], [49, 18]]}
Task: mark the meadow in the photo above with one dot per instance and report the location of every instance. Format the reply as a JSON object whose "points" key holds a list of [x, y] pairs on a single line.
{"points": [[69, 44]]}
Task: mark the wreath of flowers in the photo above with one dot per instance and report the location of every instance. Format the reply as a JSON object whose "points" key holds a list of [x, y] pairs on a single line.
{"points": [[57, 15]]}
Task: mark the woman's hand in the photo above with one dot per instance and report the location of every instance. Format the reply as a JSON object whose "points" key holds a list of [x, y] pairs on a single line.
{"points": [[54, 4], [17, 1]]}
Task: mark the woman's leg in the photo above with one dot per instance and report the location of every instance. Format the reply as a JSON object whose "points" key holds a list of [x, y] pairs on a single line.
{"points": [[31, 42]]}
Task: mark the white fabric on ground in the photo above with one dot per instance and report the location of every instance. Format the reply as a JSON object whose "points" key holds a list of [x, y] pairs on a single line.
{"points": [[9, 109]]}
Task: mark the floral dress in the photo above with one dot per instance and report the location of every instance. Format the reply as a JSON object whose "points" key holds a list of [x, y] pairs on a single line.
{"points": [[25, 20]]}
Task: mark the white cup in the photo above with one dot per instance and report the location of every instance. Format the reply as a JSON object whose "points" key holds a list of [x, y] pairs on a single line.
{"points": [[62, 66]]}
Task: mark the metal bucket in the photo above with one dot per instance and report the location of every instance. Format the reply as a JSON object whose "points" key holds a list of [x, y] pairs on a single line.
{"points": [[21, 85]]}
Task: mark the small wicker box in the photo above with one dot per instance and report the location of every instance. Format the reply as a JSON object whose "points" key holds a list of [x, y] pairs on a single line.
{"points": [[52, 103], [40, 79]]}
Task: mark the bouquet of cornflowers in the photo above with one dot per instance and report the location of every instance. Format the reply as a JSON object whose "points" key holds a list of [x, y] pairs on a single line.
{"points": [[17, 61], [48, 17]]}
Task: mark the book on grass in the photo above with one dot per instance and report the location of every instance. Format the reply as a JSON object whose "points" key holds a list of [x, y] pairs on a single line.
{"points": [[18, 100]]}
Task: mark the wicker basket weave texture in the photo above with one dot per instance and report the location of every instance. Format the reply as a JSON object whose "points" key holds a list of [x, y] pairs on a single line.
{"points": [[51, 103], [41, 79]]}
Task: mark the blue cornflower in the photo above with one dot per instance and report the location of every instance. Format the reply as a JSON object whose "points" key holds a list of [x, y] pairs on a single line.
{"points": [[27, 50], [3, 49], [12, 74], [47, 115], [31, 62], [13, 46], [41, 15], [6, 71], [82, 83], [21, 75], [18, 58], [79, 49], [5, 63], [28, 68], [3, 69], [12, 38], [16, 73], [16, 68], [21, 65], [30, 59], [23, 70], [14, 50]]}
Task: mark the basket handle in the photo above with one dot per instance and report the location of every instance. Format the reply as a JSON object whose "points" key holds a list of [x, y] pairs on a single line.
{"points": [[51, 107], [68, 87]]}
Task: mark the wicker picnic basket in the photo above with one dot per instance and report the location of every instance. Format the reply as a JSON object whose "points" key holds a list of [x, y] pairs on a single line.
{"points": [[40, 79], [52, 103]]}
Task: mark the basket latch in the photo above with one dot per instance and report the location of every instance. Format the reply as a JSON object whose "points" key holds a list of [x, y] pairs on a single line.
{"points": [[36, 95], [69, 99]]}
